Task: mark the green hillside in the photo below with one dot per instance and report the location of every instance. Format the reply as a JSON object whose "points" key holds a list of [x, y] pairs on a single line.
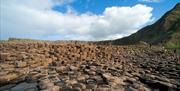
{"points": [[165, 31]]}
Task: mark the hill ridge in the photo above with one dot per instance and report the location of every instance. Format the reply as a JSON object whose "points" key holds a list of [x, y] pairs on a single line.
{"points": [[165, 30]]}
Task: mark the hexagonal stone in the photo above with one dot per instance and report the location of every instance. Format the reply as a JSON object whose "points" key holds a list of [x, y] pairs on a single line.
{"points": [[80, 85], [53, 88], [20, 64], [54, 79], [81, 78], [7, 87], [73, 68], [25, 86], [8, 77], [103, 88], [46, 83], [91, 84], [4, 56], [61, 69]]}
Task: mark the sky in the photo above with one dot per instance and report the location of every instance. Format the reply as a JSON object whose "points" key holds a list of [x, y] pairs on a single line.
{"points": [[90, 20]]}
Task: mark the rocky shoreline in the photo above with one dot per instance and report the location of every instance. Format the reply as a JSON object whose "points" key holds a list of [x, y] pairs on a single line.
{"points": [[45, 66]]}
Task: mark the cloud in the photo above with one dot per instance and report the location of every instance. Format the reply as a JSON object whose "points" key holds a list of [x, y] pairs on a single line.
{"points": [[150, 0], [37, 20]]}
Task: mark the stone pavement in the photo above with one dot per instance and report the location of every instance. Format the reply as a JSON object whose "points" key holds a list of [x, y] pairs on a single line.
{"points": [[46, 66]]}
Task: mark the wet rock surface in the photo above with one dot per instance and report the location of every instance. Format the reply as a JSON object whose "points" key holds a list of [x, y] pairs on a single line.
{"points": [[46, 66]]}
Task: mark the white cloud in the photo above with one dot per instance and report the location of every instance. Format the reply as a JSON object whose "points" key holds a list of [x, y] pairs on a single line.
{"points": [[37, 20]]}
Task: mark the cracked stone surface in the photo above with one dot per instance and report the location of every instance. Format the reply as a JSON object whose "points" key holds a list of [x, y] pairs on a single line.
{"points": [[51, 66]]}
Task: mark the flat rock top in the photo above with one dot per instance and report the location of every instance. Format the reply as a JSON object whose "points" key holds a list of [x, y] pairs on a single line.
{"points": [[34, 66]]}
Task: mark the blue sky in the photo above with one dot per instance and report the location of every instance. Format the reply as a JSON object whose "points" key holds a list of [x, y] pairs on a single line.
{"points": [[97, 6], [78, 19]]}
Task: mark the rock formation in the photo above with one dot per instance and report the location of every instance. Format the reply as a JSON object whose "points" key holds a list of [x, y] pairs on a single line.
{"points": [[53, 66]]}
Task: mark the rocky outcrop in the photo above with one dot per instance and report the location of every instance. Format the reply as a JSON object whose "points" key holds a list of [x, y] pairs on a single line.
{"points": [[53, 66]]}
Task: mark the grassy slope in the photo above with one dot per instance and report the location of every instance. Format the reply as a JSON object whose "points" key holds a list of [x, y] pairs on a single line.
{"points": [[165, 31]]}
